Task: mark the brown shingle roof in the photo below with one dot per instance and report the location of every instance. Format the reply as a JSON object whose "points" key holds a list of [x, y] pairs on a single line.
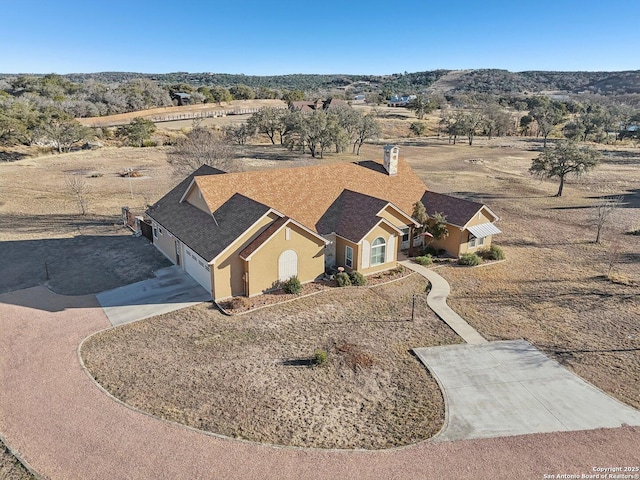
{"points": [[457, 210], [306, 193], [203, 233], [263, 237], [351, 216]]}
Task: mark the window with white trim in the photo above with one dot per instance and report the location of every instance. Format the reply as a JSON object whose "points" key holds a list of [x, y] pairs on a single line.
{"points": [[472, 240], [155, 231], [378, 248], [481, 241], [348, 256], [405, 234]]}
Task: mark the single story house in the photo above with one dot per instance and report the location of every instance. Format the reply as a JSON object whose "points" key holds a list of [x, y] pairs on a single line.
{"points": [[242, 233], [401, 101]]}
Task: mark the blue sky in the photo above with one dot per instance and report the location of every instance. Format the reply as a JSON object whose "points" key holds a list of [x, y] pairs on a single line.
{"points": [[280, 37]]}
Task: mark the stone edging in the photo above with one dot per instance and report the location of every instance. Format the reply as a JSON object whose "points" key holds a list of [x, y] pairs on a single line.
{"points": [[20, 459]]}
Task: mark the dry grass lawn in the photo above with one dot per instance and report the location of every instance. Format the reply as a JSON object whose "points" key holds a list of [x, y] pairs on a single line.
{"points": [[252, 376], [552, 289]]}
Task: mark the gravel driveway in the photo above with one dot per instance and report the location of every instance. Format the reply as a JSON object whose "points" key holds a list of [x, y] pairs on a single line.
{"points": [[53, 415]]}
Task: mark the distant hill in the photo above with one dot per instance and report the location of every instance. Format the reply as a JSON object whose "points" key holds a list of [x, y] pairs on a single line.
{"points": [[503, 81], [491, 81]]}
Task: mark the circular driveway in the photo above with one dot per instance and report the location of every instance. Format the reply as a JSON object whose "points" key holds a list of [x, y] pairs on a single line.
{"points": [[65, 427]]}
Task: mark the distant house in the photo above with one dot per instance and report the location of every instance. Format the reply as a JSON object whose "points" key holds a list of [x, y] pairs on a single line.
{"points": [[182, 98], [310, 106], [242, 233], [401, 101]]}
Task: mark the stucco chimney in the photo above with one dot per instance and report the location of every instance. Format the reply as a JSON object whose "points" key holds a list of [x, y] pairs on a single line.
{"points": [[391, 153]]}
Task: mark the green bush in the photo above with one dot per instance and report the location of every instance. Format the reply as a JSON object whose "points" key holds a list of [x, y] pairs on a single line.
{"points": [[424, 260], [399, 269], [357, 279], [149, 143], [470, 259], [417, 128], [492, 253], [320, 357], [292, 285], [343, 280]]}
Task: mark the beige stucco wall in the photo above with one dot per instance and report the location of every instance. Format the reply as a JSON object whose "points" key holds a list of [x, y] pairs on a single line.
{"points": [[263, 266], [452, 243], [165, 242], [228, 269], [481, 217], [384, 231], [195, 199], [341, 243], [392, 216], [465, 248]]}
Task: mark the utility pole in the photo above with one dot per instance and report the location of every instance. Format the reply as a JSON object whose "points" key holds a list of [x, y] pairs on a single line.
{"points": [[413, 306]]}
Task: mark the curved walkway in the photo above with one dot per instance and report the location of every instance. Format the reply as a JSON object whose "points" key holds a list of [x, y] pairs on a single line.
{"points": [[437, 301], [65, 427]]}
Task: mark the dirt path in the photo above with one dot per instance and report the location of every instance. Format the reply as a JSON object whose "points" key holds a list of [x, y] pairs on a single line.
{"points": [[54, 416]]}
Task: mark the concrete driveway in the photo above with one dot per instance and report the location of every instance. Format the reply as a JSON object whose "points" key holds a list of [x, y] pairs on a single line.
{"points": [[511, 388], [170, 290]]}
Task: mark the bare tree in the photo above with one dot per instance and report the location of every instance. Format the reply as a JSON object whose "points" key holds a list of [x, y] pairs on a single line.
{"points": [[201, 146], [603, 211], [79, 190], [613, 257]]}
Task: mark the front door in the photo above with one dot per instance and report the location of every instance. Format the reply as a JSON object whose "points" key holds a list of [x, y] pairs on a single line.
{"points": [[287, 265]]}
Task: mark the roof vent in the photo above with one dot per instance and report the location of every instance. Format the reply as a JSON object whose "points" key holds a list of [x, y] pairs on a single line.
{"points": [[391, 153]]}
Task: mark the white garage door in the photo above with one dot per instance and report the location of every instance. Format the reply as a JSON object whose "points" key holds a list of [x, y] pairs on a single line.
{"points": [[197, 268]]}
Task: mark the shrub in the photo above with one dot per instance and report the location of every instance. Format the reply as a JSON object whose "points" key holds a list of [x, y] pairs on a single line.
{"points": [[320, 357], [433, 251], [235, 303], [470, 259], [492, 253], [357, 279], [635, 231], [417, 128], [424, 260], [292, 285], [149, 143], [343, 280], [398, 269]]}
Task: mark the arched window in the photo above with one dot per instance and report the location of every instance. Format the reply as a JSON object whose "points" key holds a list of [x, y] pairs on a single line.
{"points": [[287, 265], [377, 251]]}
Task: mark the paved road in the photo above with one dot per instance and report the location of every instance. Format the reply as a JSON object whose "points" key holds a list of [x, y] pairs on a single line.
{"points": [[53, 414], [511, 388], [170, 290]]}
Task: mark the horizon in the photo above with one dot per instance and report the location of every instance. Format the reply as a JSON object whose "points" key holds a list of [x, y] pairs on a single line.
{"points": [[255, 39], [311, 73]]}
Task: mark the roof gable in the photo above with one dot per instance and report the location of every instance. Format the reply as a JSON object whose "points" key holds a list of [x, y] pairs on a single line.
{"points": [[207, 234], [270, 231], [352, 215]]}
